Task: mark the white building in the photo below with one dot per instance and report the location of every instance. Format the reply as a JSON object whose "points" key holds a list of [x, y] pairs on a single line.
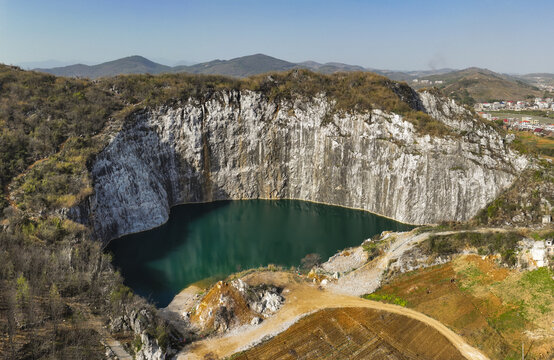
{"points": [[542, 105]]}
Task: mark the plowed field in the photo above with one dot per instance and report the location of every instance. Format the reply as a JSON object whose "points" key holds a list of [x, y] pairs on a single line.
{"points": [[355, 333]]}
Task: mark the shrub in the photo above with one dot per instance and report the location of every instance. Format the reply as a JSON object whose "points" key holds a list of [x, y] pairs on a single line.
{"points": [[310, 260], [504, 244]]}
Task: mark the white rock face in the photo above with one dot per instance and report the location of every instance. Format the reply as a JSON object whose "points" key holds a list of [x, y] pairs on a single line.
{"points": [[345, 261], [271, 302], [538, 253], [150, 350], [242, 146]]}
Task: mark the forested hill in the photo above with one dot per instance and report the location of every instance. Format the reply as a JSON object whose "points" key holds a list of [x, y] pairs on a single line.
{"points": [[56, 284]]}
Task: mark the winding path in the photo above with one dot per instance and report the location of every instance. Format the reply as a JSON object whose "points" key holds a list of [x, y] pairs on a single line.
{"points": [[107, 339], [304, 298]]}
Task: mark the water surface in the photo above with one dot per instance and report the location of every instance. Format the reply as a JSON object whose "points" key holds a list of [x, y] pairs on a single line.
{"points": [[216, 239]]}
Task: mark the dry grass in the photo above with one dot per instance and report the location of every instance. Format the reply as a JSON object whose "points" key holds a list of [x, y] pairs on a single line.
{"points": [[527, 142]]}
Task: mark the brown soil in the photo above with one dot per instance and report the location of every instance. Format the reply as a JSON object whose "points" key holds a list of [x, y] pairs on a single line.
{"points": [[464, 295], [302, 298], [356, 333]]}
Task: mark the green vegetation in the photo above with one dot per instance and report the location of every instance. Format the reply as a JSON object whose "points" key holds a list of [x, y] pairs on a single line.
{"points": [[529, 297], [373, 250], [38, 113], [491, 306], [376, 246], [513, 319], [536, 113], [352, 92], [472, 276], [463, 97], [161, 334], [530, 144], [522, 200], [136, 345], [540, 279], [388, 298], [504, 244], [444, 226]]}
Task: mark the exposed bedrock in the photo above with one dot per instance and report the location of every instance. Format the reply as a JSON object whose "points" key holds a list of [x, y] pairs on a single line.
{"points": [[239, 145]]}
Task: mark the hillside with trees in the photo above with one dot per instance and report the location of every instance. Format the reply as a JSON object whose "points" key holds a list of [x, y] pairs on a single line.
{"points": [[481, 85]]}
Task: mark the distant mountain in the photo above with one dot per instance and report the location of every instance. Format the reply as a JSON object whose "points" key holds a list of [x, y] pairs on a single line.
{"points": [[410, 75], [536, 76], [537, 79], [330, 67], [128, 65], [239, 67], [184, 62], [467, 85], [43, 64], [478, 85]]}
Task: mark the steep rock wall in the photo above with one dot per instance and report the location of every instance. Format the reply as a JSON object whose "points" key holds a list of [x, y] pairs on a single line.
{"points": [[239, 145]]}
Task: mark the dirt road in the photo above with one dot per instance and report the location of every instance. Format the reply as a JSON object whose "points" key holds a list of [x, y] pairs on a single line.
{"points": [[301, 299], [367, 278]]}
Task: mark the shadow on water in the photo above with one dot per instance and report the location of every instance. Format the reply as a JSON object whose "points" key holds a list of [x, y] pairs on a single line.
{"points": [[131, 252], [219, 238], [156, 243]]}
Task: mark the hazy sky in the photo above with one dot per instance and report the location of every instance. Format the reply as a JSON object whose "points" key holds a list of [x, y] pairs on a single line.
{"points": [[506, 36]]}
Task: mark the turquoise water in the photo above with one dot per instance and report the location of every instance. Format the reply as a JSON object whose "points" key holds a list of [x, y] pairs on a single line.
{"points": [[216, 239]]}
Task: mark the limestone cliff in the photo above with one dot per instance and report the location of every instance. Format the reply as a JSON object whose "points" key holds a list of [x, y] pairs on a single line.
{"points": [[241, 145]]}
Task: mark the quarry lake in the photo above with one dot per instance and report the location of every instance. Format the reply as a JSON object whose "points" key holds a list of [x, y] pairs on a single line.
{"points": [[213, 240]]}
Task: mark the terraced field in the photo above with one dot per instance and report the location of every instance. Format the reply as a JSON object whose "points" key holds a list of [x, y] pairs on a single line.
{"points": [[494, 308], [355, 333]]}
